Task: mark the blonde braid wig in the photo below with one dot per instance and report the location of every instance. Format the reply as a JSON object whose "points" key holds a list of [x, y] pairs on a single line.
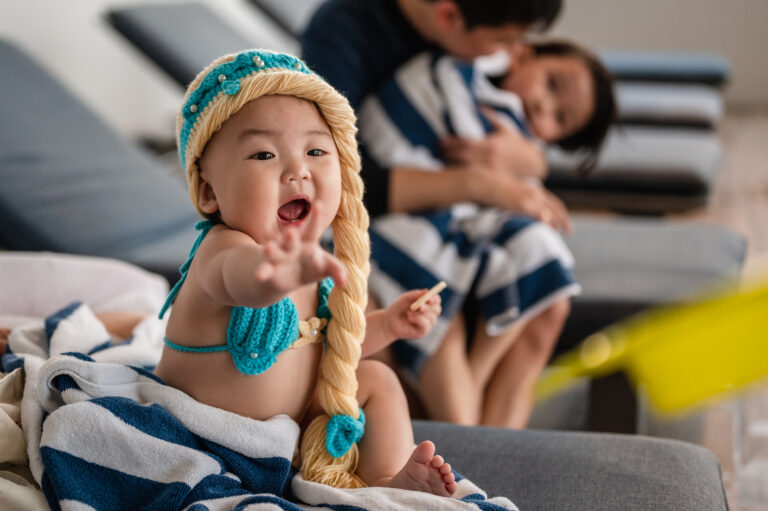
{"points": [[329, 449]]}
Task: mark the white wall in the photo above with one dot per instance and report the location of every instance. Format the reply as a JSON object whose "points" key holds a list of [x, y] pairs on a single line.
{"points": [[75, 43], [737, 29]]}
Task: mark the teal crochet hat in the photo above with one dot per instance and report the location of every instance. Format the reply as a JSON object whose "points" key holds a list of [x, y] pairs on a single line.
{"points": [[221, 89]]}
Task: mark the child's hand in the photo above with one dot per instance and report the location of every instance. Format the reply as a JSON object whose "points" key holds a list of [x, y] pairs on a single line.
{"points": [[403, 323], [294, 262]]}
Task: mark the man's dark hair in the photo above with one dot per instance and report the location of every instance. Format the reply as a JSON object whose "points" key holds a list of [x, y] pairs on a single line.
{"points": [[592, 135], [537, 14]]}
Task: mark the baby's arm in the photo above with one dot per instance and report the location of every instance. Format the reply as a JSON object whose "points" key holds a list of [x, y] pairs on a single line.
{"points": [[235, 270], [398, 321]]}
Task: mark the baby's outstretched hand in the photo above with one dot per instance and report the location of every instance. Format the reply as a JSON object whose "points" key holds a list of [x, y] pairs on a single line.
{"points": [[403, 323], [293, 262]]}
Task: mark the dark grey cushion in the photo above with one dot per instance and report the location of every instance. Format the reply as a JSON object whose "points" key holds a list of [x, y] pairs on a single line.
{"points": [[181, 38], [649, 103], [641, 169], [546, 470], [70, 184], [671, 66], [626, 266]]}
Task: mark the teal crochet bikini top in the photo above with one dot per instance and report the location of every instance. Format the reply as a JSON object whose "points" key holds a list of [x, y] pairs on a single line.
{"points": [[255, 337]]}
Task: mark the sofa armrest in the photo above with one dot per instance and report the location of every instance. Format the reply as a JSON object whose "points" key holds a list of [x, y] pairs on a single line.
{"points": [[551, 470]]}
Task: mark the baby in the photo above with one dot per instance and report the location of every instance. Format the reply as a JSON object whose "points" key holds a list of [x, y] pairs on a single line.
{"points": [[257, 327]]}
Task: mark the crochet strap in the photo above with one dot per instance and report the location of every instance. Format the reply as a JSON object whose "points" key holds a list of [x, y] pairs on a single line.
{"points": [[190, 349], [203, 226]]}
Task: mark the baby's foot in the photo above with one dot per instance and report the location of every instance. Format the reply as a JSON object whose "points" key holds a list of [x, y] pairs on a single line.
{"points": [[426, 472]]}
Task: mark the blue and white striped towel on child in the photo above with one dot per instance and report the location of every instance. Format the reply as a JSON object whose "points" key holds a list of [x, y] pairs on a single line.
{"points": [[103, 432]]}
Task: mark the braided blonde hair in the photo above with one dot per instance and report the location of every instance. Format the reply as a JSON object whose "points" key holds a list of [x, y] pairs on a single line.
{"points": [[243, 78]]}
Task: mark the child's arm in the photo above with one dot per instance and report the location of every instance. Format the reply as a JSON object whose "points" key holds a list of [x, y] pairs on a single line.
{"points": [[398, 321], [234, 270]]}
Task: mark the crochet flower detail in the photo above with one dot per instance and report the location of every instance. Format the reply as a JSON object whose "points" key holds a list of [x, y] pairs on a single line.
{"points": [[310, 331], [342, 432]]}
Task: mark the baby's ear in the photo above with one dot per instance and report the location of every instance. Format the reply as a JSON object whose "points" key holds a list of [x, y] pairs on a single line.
{"points": [[206, 198]]}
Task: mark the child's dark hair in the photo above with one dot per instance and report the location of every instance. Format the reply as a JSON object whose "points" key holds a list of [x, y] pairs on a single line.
{"points": [[591, 136], [495, 13]]}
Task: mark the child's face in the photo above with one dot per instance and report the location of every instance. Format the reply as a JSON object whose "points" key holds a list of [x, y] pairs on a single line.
{"points": [[272, 166], [557, 93]]}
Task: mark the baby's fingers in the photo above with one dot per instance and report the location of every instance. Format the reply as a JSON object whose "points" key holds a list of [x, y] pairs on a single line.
{"points": [[321, 264]]}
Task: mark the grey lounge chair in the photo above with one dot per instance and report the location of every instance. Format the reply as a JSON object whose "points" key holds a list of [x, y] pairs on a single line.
{"points": [[667, 66], [641, 170], [71, 185]]}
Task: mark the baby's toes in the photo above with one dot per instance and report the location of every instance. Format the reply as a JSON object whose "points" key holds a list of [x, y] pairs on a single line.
{"points": [[446, 469], [437, 461]]}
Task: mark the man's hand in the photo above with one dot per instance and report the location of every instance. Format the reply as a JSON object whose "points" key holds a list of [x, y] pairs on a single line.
{"points": [[503, 150], [518, 195]]}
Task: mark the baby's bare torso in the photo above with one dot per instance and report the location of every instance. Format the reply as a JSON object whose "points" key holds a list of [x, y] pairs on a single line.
{"points": [[286, 387]]}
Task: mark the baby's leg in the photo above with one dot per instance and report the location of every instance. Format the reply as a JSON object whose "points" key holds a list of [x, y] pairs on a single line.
{"points": [[387, 456], [447, 385], [509, 394], [120, 324]]}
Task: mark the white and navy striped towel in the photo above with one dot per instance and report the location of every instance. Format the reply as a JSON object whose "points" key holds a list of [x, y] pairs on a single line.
{"points": [[104, 433], [505, 267]]}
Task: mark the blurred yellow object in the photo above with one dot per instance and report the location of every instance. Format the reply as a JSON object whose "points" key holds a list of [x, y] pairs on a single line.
{"points": [[680, 356]]}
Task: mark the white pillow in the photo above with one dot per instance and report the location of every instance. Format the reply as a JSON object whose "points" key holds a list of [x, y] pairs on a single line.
{"points": [[39, 283]]}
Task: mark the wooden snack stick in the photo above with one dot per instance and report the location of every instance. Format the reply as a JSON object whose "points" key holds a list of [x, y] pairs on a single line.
{"points": [[429, 294]]}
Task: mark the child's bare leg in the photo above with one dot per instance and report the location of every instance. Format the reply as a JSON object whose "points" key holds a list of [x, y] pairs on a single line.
{"points": [[387, 456], [487, 350], [447, 384], [509, 393], [120, 324]]}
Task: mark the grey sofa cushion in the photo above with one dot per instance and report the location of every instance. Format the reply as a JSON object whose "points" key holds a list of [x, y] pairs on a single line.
{"points": [[641, 169], [70, 184], [670, 66], [546, 470], [649, 103]]}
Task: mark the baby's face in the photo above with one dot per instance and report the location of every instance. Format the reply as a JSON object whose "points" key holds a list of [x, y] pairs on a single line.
{"points": [[273, 166], [557, 93]]}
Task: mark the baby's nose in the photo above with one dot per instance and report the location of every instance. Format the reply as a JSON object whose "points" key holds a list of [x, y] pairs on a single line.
{"points": [[297, 171]]}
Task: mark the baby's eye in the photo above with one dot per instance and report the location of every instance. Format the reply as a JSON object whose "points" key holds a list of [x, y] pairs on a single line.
{"points": [[552, 83], [560, 117], [315, 152], [263, 155]]}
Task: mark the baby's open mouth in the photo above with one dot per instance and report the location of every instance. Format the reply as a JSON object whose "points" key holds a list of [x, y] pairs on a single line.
{"points": [[294, 211]]}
